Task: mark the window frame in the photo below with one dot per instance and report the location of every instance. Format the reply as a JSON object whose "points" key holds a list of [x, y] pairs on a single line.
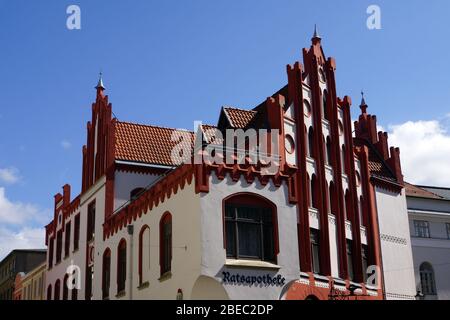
{"points": [[165, 243], [314, 235], [251, 200], [121, 266], [422, 229]]}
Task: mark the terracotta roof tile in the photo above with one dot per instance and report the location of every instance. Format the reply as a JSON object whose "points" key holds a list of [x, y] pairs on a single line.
{"points": [[415, 191], [146, 144], [239, 118], [378, 168]]}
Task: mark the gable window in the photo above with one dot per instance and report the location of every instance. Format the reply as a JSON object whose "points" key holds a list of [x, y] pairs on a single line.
{"points": [[315, 250], [91, 222], [165, 249], [58, 246], [106, 274], [329, 152], [427, 279], [250, 228], [121, 266], [50, 253], [67, 240], [76, 235], [311, 151], [421, 229]]}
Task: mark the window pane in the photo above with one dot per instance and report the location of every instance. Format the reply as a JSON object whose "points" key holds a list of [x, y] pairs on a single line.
{"points": [[229, 212], [249, 214], [249, 235], [230, 238], [316, 258], [269, 249]]}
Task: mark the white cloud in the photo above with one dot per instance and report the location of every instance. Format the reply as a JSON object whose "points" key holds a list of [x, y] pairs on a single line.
{"points": [[65, 144], [9, 175], [424, 151], [18, 213], [25, 238]]}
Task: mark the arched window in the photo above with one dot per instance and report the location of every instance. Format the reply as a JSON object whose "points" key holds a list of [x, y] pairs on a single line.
{"points": [[250, 227], [106, 274], [121, 266], [311, 149], [348, 206], [306, 108], [324, 105], [165, 244], [343, 159], [57, 289], [362, 221], [65, 288], [427, 279], [135, 193], [144, 252], [333, 202], [49, 292], [314, 192], [329, 152], [308, 192]]}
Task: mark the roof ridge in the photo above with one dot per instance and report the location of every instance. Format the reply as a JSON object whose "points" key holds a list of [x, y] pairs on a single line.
{"points": [[152, 126], [240, 109]]}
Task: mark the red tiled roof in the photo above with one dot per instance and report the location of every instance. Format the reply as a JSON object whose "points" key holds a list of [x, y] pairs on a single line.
{"points": [[414, 191], [378, 168], [239, 118], [146, 144]]}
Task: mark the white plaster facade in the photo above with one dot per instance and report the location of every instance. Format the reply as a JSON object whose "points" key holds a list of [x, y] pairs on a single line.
{"points": [[434, 249]]}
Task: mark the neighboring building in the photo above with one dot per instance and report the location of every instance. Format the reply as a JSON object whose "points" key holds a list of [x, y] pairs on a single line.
{"points": [[17, 294], [146, 227], [429, 220], [30, 286], [15, 262]]}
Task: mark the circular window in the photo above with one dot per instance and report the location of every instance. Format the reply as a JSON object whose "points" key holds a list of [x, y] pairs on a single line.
{"points": [[289, 144], [341, 128], [307, 108]]}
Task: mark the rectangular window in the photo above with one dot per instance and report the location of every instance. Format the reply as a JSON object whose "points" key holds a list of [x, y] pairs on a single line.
{"points": [[76, 236], [67, 240], [58, 246], [365, 261], [315, 250], [421, 229], [350, 259], [448, 230], [91, 222], [249, 233]]}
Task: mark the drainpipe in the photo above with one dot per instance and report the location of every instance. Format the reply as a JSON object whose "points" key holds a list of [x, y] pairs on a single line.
{"points": [[130, 229]]}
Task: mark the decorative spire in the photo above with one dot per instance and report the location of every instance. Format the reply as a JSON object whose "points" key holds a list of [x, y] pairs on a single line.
{"points": [[363, 105], [316, 37], [100, 86]]}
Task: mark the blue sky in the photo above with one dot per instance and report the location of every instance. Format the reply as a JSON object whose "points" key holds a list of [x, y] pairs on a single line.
{"points": [[172, 62]]}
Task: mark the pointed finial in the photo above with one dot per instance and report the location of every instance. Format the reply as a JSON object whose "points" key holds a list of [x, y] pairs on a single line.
{"points": [[100, 85], [316, 33], [363, 105]]}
